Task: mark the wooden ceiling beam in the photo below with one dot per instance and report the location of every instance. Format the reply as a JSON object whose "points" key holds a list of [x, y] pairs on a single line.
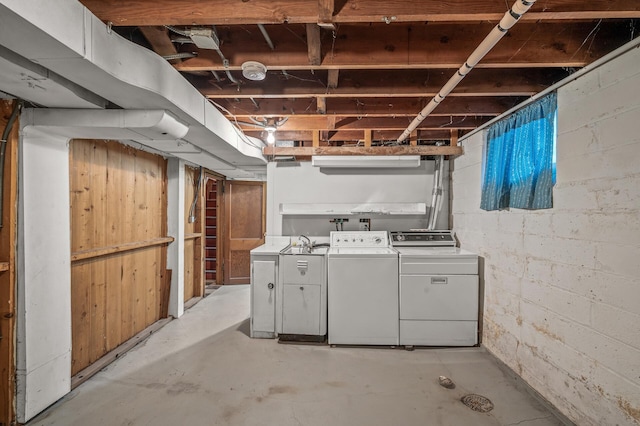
{"points": [[352, 123], [332, 78], [158, 38], [369, 107], [314, 46], [360, 150], [384, 84], [401, 47], [206, 12], [350, 135]]}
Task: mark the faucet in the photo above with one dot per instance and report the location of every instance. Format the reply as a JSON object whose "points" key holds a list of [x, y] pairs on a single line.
{"points": [[306, 246]]}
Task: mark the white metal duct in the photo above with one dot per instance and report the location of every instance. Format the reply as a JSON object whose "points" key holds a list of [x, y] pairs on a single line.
{"points": [[64, 37]]}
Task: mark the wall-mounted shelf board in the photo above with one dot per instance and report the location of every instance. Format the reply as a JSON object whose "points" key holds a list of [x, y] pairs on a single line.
{"points": [[353, 208]]}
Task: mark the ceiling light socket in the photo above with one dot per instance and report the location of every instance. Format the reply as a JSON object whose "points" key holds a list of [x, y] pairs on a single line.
{"points": [[253, 70]]}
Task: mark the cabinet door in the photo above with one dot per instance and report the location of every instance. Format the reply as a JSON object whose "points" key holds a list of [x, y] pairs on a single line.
{"points": [[301, 309], [301, 269], [263, 302]]}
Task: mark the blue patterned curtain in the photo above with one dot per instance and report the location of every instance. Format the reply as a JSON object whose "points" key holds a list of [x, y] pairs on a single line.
{"points": [[519, 167]]}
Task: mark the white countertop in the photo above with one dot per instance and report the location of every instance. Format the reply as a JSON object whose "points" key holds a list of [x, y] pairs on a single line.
{"points": [[272, 245]]}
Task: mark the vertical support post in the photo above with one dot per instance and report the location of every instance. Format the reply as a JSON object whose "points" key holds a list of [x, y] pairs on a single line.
{"points": [[316, 138], [413, 138], [367, 138], [175, 229], [43, 352], [453, 141]]}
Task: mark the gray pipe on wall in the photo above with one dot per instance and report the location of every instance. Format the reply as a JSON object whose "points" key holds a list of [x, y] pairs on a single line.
{"points": [[3, 148]]}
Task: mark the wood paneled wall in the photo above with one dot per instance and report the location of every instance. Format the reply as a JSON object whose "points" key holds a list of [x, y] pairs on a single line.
{"points": [[193, 247], [7, 268], [118, 244]]}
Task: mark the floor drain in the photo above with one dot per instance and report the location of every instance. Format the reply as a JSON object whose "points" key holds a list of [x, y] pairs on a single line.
{"points": [[477, 403]]}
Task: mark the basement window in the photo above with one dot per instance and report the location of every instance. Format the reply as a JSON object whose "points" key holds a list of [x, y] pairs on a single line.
{"points": [[519, 159]]}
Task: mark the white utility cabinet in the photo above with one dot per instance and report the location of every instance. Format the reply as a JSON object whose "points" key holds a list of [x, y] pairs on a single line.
{"points": [[302, 307], [264, 288]]}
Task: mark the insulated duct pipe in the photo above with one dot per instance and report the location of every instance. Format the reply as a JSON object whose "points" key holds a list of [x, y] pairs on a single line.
{"points": [[508, 20], [436, 199]]}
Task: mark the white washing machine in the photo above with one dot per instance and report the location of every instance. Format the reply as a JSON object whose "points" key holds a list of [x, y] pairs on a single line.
{"points": [[439, 290], [362, 289]]}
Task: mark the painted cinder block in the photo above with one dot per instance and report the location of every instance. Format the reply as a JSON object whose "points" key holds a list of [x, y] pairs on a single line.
{"points": [[596, 105], [620, 227], [567, 325], [617, 259], [627, 66], [616, 290], [613, 163], [578, 141], [561, 250], [618, 193], [607, 320], [563, 303], [574, 196]]}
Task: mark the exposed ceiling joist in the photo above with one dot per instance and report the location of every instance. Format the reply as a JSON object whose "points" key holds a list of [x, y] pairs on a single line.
{"points": [[336, 68], [361, 150], [417, 46], [205, 12], [367, 107]]}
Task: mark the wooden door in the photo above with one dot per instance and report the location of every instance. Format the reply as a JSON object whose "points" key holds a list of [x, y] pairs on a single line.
{"points": [[7, 269], [244, 204]]}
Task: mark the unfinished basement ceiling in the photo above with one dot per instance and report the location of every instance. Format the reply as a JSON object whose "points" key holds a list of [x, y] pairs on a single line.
{"points": [[344, 72]]}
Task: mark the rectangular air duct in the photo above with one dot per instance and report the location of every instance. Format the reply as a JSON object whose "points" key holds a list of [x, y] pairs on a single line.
{"points": [[366, 161]]}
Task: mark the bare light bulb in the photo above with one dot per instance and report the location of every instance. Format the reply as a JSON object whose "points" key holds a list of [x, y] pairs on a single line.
{"points": [[271, 138]]}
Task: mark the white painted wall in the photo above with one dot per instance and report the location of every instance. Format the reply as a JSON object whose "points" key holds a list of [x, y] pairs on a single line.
{"points": [[44, 273], [300, 182], [562, 286]]}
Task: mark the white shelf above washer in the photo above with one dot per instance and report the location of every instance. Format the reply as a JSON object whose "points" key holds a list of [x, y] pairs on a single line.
{"points": [[353, 208]]}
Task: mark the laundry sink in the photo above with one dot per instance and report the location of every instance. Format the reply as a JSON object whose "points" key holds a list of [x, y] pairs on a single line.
{"points": [[302, 250]]}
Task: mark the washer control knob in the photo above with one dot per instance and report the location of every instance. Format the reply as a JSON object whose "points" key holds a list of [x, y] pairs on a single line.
{"points": [[377, 240]]}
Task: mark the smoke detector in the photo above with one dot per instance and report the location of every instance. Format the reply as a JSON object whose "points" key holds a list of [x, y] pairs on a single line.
{"points": [[253, 70]]}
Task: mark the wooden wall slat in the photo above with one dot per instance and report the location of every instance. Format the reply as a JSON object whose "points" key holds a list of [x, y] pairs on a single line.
{"points": [[193, 254], [115, 200], [118, 198]]}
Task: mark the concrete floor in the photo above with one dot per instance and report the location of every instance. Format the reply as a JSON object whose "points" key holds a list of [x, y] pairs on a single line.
{"points": [[203, 369]]}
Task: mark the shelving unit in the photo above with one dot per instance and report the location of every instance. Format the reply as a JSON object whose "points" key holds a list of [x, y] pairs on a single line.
{"points": [[353, 208], [211, 230]]}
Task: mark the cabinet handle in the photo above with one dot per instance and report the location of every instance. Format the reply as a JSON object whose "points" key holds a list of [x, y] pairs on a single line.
{"points": [[438, 280], [302, 288], [270, 286]]}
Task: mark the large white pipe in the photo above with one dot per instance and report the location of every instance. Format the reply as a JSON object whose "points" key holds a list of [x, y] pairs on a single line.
{"points": [[508, 20]]}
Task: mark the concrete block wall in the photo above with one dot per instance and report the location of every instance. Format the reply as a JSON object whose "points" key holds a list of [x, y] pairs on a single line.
{"points": [[562, 286]]}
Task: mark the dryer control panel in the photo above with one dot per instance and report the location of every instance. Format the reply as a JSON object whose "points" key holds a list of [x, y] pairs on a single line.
{"points": [[356, 239]]}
